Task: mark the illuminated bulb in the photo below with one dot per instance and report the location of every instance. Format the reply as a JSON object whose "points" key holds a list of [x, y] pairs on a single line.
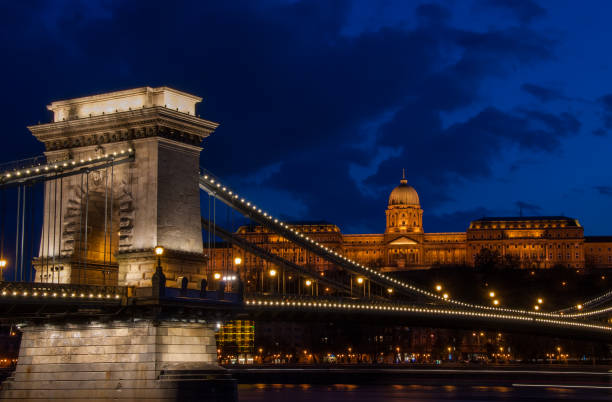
{"points": [[445, 295], [438, 287]]}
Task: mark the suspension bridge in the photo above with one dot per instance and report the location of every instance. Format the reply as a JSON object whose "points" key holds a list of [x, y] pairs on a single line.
{"points": [[108, 275]]}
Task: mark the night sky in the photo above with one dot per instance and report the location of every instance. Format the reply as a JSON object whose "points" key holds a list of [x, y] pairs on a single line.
{"points": [[491, 106]]}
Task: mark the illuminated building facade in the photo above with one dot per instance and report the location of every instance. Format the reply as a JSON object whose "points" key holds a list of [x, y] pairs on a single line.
{"points": [[236, 337], [528, 242]]}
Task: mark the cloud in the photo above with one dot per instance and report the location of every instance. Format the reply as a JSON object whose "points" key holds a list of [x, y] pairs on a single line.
{"points": [[467, 150], [543, 94], [456, 221], [293, 93], [604, 190], [528, 208], [606, 104], [524, 10], [600, 132]]}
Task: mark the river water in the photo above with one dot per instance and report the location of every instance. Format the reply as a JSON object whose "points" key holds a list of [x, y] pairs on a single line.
{"points": [[413, 393]]}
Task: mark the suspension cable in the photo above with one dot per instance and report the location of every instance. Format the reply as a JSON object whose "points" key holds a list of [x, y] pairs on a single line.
{"points": [[81, 229], [86, 227], [105, 221], [23, 213], [110, 240], [61, 228], [2, 228], [16, 262], [53, 267]]}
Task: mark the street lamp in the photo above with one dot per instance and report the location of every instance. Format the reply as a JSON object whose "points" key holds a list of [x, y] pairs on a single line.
{"points": [[158, 281], [491, 294], [308, 282], [438, 288], [496, 302], [159, 250], [445, 295], [540, 300], [360, 280], [272, 272], [237, 260], [2, 266]]}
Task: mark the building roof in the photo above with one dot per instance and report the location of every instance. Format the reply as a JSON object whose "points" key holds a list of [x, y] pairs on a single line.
{"points": [[524, 218], [598, 239], [252, 226], [567, 220]]}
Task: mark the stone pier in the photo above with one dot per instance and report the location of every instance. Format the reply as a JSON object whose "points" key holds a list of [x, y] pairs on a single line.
{"points": [[123, 360]]}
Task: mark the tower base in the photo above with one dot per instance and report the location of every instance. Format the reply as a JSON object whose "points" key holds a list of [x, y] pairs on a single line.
{"points": [[122, 360]]}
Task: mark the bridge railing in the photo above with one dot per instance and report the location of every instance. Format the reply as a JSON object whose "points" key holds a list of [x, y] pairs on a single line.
{"points": [[41, 289]]}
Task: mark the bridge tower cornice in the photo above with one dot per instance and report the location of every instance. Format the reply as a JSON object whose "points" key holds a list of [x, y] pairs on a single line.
{"points": [[156, 121]]}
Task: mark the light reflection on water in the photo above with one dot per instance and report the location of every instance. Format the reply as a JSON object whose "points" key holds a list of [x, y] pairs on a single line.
{"points": [[410, 393]]}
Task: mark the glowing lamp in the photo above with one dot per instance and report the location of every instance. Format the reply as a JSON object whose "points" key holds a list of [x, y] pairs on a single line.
{"points": [[159, 250], [237, 260]]}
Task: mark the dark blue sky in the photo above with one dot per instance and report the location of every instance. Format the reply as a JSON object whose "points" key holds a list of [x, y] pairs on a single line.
{"points": [[490, 105]]}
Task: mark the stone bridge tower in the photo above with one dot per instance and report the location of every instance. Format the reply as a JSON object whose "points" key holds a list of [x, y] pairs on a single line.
{"points": [[101, 227]]}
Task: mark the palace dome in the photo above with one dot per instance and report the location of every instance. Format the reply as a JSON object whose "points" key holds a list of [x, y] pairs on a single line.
{"points": [[404, 195]]}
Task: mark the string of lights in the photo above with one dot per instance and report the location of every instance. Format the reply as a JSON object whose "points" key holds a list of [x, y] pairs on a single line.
{"points": [[44, 170], [302, 304]]}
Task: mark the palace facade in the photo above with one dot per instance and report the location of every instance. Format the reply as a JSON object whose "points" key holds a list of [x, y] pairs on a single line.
{"points": [[531, 242]]}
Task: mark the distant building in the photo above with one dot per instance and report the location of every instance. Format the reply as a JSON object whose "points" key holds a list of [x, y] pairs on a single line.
{"points": [[531, 242]]}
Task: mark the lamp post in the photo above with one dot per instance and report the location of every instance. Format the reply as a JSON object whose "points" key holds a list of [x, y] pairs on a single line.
{"points": [[2, 266], [158, 281], [237, 263]]}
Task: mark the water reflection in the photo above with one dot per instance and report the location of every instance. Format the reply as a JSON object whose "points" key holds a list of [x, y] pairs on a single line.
{"points": [[411, 393]]}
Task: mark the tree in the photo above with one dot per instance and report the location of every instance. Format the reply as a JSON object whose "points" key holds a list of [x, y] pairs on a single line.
{"points": [[511, 262], [487, 260]]}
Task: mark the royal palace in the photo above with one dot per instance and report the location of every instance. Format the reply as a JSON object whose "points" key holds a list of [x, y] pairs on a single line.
{"points": [[531, 242]]}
